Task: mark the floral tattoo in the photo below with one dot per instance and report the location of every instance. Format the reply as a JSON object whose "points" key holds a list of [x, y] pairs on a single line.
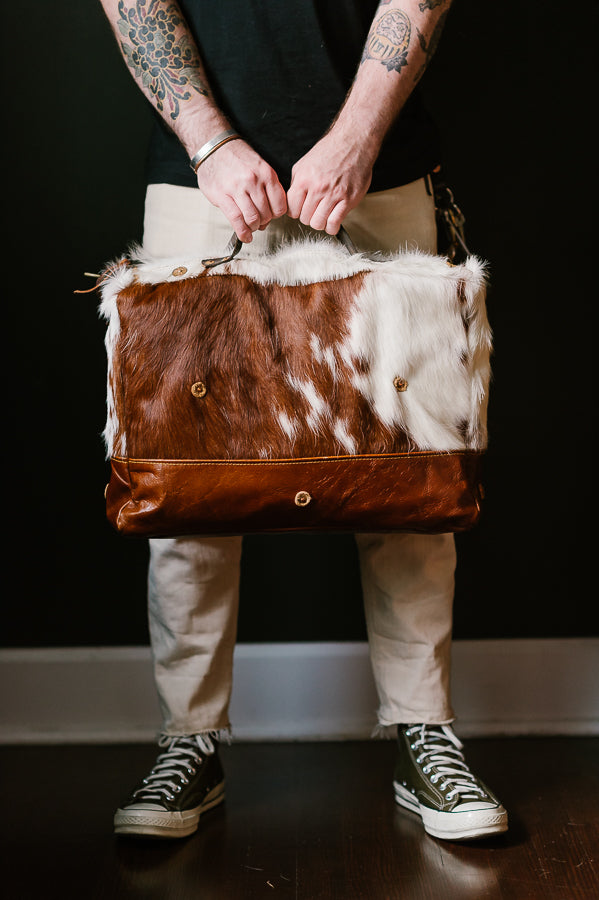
{"points": [[389, 40], [165, 62]]}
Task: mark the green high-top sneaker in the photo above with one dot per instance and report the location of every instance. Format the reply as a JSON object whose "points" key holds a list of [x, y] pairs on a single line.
{"points": [[432, 779], [186, 780]]}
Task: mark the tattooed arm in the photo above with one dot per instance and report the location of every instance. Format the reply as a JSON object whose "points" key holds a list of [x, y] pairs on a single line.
{"points": [[335, 174], [161, 53]]}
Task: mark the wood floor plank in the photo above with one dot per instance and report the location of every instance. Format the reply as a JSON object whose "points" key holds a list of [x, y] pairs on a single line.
{"points": [[311, 821]]}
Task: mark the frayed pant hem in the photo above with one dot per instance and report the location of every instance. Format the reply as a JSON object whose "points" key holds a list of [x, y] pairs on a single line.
{"points": [[388, 730], [222, 735]]}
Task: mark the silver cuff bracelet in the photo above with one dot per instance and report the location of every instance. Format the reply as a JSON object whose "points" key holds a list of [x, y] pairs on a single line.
{"points": [[204, 152]]}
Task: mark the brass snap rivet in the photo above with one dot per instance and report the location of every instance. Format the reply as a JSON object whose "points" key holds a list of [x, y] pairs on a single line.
{"points": [[400, 384], [302, 498], [180, 270], [198, 389]]}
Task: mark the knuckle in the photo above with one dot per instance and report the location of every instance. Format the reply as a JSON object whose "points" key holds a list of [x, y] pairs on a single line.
{"points": [[268, 174], [234, 216], [299, 179]]}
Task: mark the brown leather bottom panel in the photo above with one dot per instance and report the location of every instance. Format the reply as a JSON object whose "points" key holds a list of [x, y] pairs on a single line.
{"points": [[424, 492]]}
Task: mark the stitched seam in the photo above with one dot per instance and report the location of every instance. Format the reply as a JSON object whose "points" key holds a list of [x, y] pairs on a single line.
{"points": [[428, 454]]}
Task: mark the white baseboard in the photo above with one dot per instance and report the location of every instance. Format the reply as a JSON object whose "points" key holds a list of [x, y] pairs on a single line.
{"points": [[304, 691]]}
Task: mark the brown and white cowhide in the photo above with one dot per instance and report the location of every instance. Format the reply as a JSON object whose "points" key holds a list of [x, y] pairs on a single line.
{"points": [[306, 352]]}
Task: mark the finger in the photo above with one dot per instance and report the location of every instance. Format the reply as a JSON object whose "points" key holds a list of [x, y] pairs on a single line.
{"points": [[277, 198], [295, 201], [309, 207], [261, 203], [269, 205], [320, 215], [232, 212], [249, 211], [336, 217]]}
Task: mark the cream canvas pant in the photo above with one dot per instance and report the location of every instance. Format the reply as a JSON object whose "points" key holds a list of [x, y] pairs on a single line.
{"points": [[407, 579]]}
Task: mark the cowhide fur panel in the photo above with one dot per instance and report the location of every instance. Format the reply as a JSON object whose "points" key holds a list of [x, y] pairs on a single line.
{"points": [[304, 366]]}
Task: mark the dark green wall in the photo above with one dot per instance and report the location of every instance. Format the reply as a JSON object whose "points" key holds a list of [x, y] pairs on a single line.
{"points": [[512, 86]]}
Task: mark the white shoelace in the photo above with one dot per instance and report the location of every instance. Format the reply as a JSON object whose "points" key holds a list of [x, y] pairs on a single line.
{"points": [[174, 767], [439, 748]]}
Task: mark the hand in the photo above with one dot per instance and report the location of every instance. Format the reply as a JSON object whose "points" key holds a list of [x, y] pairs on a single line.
{"points": [[328, 182], [243, 186]]}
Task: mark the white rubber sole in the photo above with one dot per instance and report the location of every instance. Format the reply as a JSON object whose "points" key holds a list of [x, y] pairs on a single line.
{"points": [[458, 826], [164, 824]]}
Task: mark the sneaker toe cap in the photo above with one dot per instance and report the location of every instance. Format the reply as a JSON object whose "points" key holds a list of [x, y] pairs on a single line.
{"points": [[145, 805], [478, 805]]}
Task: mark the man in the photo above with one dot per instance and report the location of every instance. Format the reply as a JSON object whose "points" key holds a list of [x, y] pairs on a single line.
{"points": [[290, 117]]}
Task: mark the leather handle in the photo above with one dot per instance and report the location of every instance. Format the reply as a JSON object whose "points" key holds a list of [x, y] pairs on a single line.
{"points": [[235, 245], [345, 239]]}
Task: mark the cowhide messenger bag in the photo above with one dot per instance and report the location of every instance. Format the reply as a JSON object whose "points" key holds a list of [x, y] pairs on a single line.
{"points": [[311, 389]]}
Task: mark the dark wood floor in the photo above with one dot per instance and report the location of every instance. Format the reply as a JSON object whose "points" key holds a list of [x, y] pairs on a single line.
{"points": [[306, 821]]}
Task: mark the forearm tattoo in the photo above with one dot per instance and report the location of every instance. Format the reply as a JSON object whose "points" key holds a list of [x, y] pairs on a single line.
{"points": [[430, 48], [161, 57], [389, 40]]}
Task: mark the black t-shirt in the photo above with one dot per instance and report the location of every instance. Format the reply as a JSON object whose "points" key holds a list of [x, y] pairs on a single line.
{"points": [[280, 71]]}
